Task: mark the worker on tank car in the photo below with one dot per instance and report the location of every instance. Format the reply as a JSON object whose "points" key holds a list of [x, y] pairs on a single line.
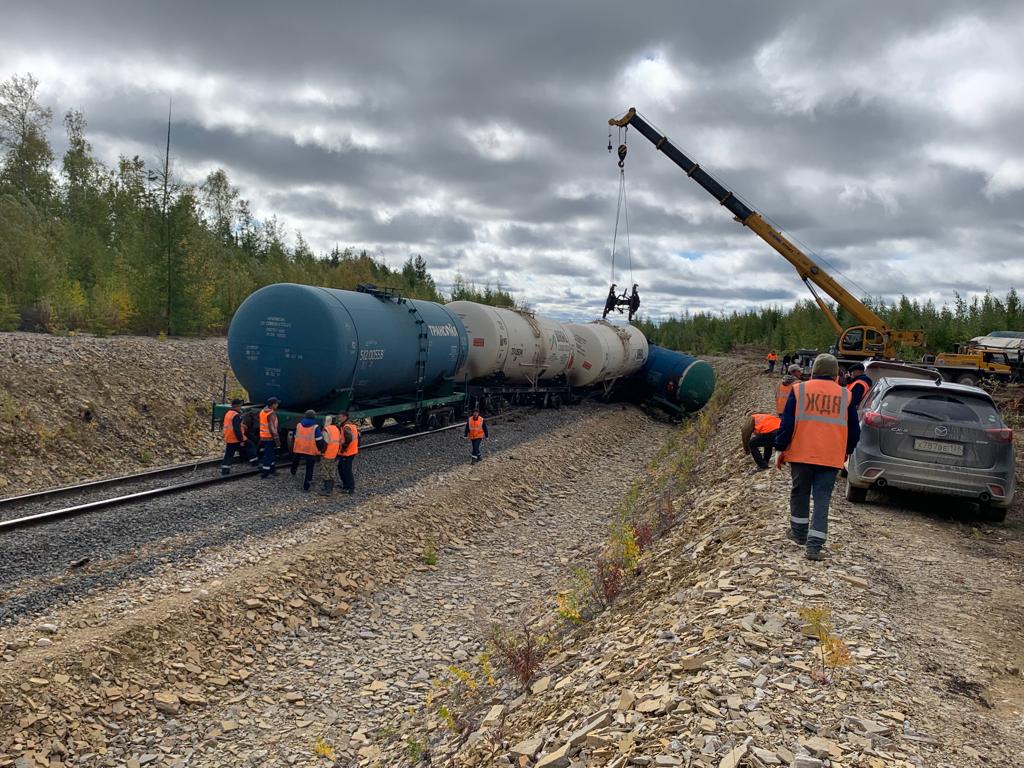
{"points": [[634, 302], [819, 430], [772, 359], [270, 440], [329, 461], [347, 454], [307, 446], [859, 383], [759, 433], [792, 376], [235, 438], [476, 432]]}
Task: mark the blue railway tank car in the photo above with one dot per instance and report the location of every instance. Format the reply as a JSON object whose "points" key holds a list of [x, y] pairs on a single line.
{"points": [[307, 345], [676, 381]]}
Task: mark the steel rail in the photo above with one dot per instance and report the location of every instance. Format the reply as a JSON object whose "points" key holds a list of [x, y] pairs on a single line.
{"points": [[88, 484], [56, 514]]}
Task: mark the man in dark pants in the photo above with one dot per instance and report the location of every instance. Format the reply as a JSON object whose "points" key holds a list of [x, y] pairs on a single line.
{"points": [[819, 430], [476, 431], [235, 439], [347, 454], [307, 445], [270, 440], [759, 437]]}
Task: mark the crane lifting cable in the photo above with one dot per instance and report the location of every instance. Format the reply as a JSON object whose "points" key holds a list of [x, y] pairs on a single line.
{"points": [[615, 302]]}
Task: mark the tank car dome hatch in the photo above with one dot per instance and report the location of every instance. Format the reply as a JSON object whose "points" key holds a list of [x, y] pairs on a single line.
{"points": [[303, 343]]}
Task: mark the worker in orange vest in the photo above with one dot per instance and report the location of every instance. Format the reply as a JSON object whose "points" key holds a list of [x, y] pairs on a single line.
{"points": [[329, 461], [235, 437], [791, 377], [348, 452], [270, 440], [476, 432], [772, 359], [759, 437], [859, 383], [819, 430], [307, 445]]}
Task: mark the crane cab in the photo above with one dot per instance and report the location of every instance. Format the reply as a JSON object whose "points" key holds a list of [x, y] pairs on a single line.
{"points": [[863, 341]]}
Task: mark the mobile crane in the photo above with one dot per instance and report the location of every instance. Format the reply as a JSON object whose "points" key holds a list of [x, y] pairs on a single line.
{"points": [[871, 338]]}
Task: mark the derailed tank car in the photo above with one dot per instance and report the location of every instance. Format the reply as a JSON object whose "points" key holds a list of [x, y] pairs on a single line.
{"points": [[605, 353], [673, 381], [514, 355]]}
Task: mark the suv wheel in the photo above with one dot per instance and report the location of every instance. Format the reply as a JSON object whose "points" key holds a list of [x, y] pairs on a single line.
{"points": [[855, 494]]}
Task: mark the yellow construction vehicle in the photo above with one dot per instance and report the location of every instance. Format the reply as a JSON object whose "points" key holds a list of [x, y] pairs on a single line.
{"points": [[871, 338]]}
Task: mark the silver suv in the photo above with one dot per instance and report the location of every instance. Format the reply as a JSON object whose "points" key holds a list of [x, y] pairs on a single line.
{"points": [[933, 437]]}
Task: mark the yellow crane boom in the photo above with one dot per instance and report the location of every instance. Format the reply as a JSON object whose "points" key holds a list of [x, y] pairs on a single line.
{"points": [[872, 337]]}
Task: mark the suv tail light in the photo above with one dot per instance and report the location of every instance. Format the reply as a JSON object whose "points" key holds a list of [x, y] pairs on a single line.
{"points": [[1000, 434], [878, 420]]}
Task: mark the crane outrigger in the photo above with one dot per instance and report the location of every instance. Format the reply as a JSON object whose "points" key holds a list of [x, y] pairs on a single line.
{"points": [[872, 337]]}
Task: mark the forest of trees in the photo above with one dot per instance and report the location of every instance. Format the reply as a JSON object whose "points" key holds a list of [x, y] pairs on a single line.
{"points": [[805, 326], [133, 249]]}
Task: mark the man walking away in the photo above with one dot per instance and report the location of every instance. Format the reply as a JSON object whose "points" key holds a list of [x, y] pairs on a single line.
{"points": [[791, 377], [307, 445], [251, 428], [819, 430], [329, 461], [761, 437], [476, 431], [772, 359], [234, 437], [270, 440], [859, 384], [348, 453]]}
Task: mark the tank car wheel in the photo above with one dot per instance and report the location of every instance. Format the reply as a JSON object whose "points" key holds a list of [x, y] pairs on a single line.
{"points": [[432, 422], [377, 422], [444, 419], [556, 402]]}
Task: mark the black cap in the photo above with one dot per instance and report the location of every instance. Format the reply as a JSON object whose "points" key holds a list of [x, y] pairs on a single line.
{"points": [[236, 402], [272, 401], [856, 367], [310, 414]]}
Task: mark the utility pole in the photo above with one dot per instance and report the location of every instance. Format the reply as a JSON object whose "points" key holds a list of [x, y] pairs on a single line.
{"points": [[167, 220]]}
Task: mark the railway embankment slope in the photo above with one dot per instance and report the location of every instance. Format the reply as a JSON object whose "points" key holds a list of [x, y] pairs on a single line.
{"points": [[733, 650], [78, 407]]}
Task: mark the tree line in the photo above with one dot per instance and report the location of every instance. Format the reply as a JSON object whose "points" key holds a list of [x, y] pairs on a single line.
{"points": [[804, 326], [132, 249]]}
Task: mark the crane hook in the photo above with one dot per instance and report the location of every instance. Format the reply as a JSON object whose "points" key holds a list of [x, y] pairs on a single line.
{"points": [[622, 155]]}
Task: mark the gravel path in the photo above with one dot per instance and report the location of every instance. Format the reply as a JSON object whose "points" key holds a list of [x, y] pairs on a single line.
{"points": [[124, 542], [337, 634]]}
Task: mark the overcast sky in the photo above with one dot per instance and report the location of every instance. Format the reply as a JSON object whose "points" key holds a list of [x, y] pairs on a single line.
{"points": [[887, 137]]}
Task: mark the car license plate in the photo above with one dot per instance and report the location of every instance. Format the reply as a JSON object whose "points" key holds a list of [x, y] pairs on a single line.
{"points": [[934, 446]]}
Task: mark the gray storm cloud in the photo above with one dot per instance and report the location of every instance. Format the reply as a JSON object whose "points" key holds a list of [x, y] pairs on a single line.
{"points": [[885, 137]]}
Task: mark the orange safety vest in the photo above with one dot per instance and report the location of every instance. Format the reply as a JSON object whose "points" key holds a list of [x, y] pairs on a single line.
{"points": [[265, 433], [781, 396], [305, 441], [229, 431], [333, 437], [353, 447], [772, 356], [863, 384], [476, 428], [766, 422], [819, 433]]}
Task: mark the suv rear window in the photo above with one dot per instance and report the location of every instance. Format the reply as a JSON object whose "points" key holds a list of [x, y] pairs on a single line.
{"points": [[941, 407]]}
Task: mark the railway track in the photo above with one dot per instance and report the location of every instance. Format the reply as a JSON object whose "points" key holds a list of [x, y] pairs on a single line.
{"points": [[52, 515]]}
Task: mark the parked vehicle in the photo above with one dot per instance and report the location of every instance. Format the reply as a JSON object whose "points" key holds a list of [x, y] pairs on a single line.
{"points": [[927, 435]]}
